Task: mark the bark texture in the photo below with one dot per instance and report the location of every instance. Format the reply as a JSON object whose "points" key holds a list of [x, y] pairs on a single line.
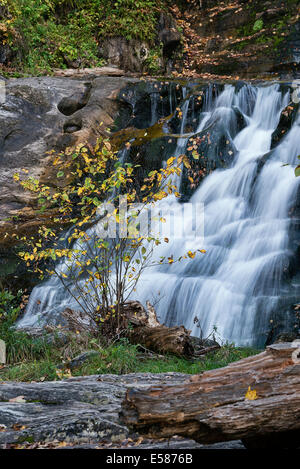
{"points": [[146, 330], [215, 406]]}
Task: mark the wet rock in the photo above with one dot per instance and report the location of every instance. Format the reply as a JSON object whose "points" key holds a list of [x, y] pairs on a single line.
{"points": [[39, 115], [168, 34], [284, 323], [147, 102], [200, 98], [287, 118], [150, 155], [287, 337]]}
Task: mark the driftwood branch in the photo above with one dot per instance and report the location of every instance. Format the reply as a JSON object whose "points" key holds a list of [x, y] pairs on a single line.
{"points": [[214, 406]]}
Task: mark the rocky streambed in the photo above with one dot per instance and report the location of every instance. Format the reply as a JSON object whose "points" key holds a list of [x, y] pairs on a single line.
{"points": [[80, 412]]}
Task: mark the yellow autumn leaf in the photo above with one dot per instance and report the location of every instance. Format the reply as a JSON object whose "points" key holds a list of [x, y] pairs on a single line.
{"points": [[186, 162], [251, 394], [191, 254], [56, 161], [170, 161]]}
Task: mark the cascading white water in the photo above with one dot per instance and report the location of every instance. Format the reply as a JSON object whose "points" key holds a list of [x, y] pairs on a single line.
{"points": [[238, 282]]}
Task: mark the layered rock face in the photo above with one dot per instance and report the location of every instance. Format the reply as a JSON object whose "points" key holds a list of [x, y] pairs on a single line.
{"points": [[134, 54]]}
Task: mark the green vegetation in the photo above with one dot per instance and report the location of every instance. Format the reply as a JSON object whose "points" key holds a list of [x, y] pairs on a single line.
{"points": [[120, 358], [153, 61], [297, 169], [19, 346], [61, 33], [258, 25], [32, 359]]}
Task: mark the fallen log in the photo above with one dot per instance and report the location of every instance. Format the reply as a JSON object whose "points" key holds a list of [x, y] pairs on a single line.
{"points": [[146, 330], [256, 397]]}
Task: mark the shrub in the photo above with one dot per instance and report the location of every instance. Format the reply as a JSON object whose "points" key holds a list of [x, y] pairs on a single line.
{"points": [[103, 253]]}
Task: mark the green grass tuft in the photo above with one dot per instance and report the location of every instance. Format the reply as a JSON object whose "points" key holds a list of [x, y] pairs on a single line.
{"points": [[20, 347]]}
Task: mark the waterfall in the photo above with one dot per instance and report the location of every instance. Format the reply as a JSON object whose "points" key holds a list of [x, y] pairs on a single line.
{"points": [[239, 282]]}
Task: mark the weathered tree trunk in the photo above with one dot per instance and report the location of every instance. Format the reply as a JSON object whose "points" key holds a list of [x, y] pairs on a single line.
{"points": [[146, 330], [162, 339], [216, 405]]}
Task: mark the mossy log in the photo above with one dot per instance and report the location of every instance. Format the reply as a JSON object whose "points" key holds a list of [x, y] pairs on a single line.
{"points": [[253, 400]]}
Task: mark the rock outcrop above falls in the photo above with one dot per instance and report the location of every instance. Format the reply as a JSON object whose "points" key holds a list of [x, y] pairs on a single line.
{"points": [[40, 115], [44, 114]]}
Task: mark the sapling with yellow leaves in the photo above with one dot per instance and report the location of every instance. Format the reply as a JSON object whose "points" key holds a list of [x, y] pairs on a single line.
{"points": [[94, 241]]}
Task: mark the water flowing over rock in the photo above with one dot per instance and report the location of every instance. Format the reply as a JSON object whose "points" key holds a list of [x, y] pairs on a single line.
{"points": [[250, 271]]}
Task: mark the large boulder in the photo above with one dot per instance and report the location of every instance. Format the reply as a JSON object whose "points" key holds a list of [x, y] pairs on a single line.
{"points": [[128, 54], [133, 55], [42, 114]]}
